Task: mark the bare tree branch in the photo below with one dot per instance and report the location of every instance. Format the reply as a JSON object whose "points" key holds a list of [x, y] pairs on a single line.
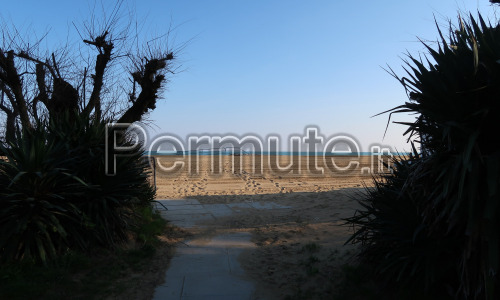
{"points": [[110, 52], [11, 78], [105, 47], [150, 82]]}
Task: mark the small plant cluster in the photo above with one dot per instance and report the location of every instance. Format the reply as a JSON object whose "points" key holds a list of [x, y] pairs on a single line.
{"points": [[433, 226], [55, 195]]}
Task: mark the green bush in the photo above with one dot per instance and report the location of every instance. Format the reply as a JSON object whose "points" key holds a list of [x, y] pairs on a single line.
{"points": [[451, 190], [55, 195]]}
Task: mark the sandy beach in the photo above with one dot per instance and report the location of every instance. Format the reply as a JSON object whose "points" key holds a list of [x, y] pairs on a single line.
{"points": [[300, 246], [245, 179]]}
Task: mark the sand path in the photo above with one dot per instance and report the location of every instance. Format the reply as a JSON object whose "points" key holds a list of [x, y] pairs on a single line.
{"points": [[293, 226]]}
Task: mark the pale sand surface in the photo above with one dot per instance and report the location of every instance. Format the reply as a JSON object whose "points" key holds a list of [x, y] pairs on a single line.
{"points": [[300, 242], [232, 180]]}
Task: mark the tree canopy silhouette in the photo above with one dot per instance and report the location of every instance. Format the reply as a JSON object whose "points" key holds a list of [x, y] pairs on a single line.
{"points": [[89, 79]]}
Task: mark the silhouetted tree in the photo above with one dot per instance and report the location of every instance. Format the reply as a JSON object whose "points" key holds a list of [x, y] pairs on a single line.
{"points": [[90, 81]]}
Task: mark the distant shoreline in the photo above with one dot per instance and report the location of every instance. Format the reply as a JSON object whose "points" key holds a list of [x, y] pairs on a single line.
{"points": [[284, 153]]}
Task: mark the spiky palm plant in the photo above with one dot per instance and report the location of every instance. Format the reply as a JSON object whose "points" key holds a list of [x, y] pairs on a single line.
{"points": [[457, 100], [394, 237], [455, 93], [37, 217], [109, 201], [55, 195]]}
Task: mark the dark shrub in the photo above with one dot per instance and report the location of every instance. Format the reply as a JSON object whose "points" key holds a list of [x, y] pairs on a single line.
{"points": [[454, 186], [55, 194], [395, 240]]}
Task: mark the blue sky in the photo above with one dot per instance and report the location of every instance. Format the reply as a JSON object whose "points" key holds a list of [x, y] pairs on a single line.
{"points": [[274, 67]]}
